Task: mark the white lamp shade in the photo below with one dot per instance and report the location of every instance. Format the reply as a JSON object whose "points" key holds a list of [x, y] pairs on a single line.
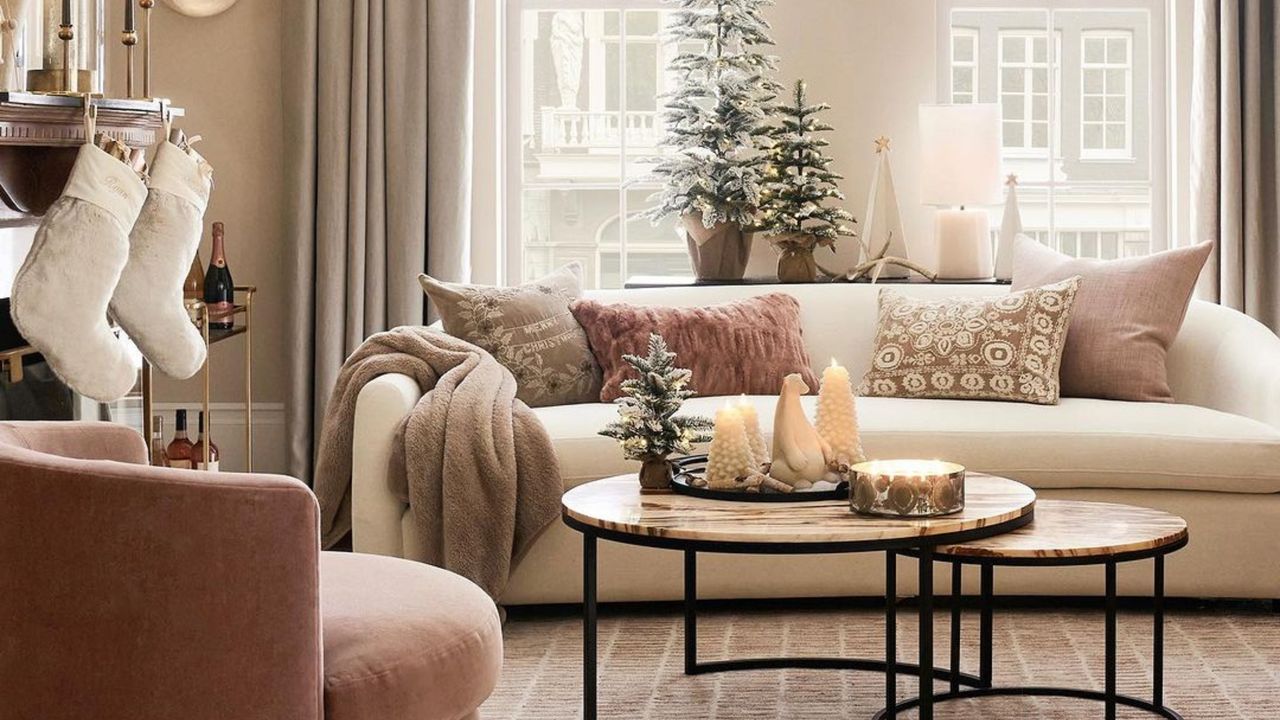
{"points": [[960, 151]]}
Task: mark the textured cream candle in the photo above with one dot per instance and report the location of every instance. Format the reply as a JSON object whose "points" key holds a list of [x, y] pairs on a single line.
{"points": [[755, 438], [837, 420], [729, 456]]}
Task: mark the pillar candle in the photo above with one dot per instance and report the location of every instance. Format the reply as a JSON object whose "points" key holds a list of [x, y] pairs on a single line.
{"points": [[729, 456], [837, 420], [755, 438]]}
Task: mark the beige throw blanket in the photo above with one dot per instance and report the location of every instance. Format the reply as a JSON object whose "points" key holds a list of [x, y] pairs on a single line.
{"points": [[474, 464]]}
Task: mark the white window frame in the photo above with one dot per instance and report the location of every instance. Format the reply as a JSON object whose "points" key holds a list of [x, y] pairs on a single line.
{"points": [[512, 251], [1164, 53], [1105, 153], [1028, 67], [971, 33]]}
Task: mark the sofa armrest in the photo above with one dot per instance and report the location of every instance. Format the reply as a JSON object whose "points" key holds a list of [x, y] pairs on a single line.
{"points": [[148, 593], [83, 440], [376, 511], [1225, 360]]}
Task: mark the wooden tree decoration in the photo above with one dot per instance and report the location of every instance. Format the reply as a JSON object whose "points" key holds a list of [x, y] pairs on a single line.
{"points": [[1010, 229], [799, 181]]}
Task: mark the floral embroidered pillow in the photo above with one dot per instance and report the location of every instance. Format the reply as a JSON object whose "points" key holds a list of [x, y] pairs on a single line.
{"points": [[528, 329], [993, 348]]}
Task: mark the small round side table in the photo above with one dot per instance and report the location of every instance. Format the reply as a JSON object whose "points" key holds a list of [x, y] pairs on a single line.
{"points": [[1065, 532]]}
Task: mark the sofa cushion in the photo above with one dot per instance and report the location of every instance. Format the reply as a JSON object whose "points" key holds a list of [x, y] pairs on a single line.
{"points": [[1079, 443], [404, 640]]}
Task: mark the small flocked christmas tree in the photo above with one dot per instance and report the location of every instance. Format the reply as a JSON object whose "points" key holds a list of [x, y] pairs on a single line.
{"points": [[648, 427], [716, 120], [799, 181]]}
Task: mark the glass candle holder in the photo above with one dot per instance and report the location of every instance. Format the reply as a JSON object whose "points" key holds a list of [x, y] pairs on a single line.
{"points": [[906, 488], [46, 61]]}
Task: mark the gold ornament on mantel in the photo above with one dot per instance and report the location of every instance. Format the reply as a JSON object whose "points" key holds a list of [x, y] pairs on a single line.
{"points": [[837, 419]]}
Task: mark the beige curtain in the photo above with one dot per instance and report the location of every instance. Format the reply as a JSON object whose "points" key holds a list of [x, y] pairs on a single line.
{"points": [[377, 101], [1234, 182]]}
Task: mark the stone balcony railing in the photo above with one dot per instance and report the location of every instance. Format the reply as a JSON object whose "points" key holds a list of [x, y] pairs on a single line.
{"points": [[586, 130]]}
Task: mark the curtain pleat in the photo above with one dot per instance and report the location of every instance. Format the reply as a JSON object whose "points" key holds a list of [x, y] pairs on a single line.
{"points": [[378, 169]]}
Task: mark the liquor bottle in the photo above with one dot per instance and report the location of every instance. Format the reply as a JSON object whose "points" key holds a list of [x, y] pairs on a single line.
{"points": [[219, 290], [179, 450], [197, 450], [158, 456], [193, 287]]}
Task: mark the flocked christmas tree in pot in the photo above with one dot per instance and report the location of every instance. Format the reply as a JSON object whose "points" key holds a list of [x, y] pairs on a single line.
{"points": [[647, 426], [716, 131], [799, 184]]}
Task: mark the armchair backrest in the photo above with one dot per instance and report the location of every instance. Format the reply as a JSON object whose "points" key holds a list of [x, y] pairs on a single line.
{"points": [[128, 591]]}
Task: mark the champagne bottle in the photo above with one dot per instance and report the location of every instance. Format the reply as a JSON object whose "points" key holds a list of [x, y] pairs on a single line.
{"points": [[219, 290], [193, 287], [179, 450], [158, 456], [197, 450]]}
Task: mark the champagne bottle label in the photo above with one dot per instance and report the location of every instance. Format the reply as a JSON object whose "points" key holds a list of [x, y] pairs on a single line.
{"points": [[211, 467], [180, 464]]}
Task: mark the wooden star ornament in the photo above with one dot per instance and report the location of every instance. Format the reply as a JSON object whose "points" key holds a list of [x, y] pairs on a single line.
{"points": [[1011, 180], [882, 144]]}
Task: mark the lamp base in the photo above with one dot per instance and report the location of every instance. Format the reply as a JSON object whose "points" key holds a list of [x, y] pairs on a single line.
{"points": [[964, 245]]}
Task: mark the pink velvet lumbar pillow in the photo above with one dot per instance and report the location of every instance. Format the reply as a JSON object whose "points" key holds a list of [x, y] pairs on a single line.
{"points": [[739, 347], [1127, 313]]}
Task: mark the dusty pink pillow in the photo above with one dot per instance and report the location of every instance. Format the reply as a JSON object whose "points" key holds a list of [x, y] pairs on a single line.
{"points": [[746, 346], [1127, 313]]}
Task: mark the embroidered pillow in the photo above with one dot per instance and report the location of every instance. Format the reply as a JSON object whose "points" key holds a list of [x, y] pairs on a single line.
{"points": [[1126, 317], [528, 329], [743, 347], [995, 348]]}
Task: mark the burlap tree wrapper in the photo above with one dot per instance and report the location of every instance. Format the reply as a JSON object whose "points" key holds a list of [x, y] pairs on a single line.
{"points": [[60, 294], [148, 300]]}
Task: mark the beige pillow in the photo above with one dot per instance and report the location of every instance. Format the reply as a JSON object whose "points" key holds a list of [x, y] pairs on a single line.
{"points": [[1127, 314], [528, 329], [1006, 347]]}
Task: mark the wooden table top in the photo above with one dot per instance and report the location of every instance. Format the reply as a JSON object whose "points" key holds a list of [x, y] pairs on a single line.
{"points": [[1079, 529], [616, 504]]}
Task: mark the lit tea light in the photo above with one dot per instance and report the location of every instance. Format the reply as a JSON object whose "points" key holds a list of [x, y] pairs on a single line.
{"points": [[907, 488]]}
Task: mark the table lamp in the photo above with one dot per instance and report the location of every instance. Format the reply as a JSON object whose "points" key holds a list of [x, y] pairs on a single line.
{"points": [[960, 149]]}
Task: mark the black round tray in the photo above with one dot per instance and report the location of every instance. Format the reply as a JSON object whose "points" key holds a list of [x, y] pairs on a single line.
{"points": [[693, 466]]}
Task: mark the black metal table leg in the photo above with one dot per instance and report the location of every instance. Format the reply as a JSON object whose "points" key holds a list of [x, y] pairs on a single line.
{"points": [[926, 632], [1157, 634], [890, 633], [985, 640], [1110, 691], [588, 626], [690, 611], [957, 589]]}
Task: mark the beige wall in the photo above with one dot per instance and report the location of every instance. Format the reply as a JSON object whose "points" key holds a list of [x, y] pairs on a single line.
{"points": [[225, 71]]}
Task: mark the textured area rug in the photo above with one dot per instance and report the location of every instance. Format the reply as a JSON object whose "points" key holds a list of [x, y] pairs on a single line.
{"points": [[1220, 663]]}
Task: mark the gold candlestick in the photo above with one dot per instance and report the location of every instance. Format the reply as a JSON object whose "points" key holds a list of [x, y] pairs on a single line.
{"points": [[146, 6], [129, 38], [67, 34]]}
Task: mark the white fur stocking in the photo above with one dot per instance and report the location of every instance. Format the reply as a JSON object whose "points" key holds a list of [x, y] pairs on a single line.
{"points": [[60, 294], [148, 300]]}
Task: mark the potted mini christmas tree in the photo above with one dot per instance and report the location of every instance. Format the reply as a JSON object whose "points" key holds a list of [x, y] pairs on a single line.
{"points": [[798, 184], [716, 131], [647, 426]]}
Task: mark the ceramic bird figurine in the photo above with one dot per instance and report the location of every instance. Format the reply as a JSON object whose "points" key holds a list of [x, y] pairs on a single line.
{"points": [[799, 456]]}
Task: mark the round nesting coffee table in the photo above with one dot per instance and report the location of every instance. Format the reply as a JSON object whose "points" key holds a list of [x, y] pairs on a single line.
{"points": [[615, 509], [1064, 532]]}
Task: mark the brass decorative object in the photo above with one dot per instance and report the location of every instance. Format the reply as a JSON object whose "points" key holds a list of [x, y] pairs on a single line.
{"points": [[146, 6], [906, 488], [69, 54]]}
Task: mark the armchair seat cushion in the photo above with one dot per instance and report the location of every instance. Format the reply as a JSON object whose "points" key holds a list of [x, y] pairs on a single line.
{"points": [[404, 640]]}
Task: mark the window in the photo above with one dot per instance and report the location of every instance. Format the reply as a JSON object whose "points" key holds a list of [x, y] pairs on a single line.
{"points": [[1106, 78], [1081, 86], [964, 65], [588, 85]]}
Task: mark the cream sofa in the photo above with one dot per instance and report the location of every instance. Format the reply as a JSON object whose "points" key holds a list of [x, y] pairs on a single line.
{"points": [[1213, 458]]}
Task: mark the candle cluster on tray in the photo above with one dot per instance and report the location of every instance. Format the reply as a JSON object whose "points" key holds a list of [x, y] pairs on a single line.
{"points": [[907, 488], [737, 458], [837, 419]]}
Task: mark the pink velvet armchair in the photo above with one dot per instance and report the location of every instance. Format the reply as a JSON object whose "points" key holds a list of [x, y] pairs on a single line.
{"points": [[134, 592]]}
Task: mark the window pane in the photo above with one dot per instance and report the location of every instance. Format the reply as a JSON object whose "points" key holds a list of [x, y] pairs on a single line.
{"points": [[1093, 109], [653, 249], [1011, 80], [1014, 49], [1041, 52], [642, 22], [1117, 51], [1013, 134], [1012, 107], [1040, 135], [1095, 50], [564, 225], [642, 76], [962, 79], [1115, 109], [1093, 82], [1116, 84], [1040, 107], [962, 48], [1115, 137]]}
